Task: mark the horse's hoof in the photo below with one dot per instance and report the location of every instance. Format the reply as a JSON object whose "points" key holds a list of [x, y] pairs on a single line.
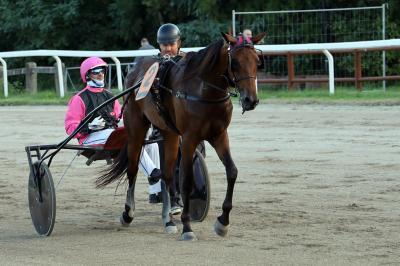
{"points": [[170, 228], [125, 219], [220, 229], [188, 236]]}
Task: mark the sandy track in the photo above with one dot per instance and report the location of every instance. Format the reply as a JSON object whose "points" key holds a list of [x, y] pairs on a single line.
{"points": [[317, 185]]}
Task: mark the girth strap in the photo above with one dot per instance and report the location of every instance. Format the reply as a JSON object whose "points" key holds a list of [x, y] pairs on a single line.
{"points": [[185, 96], [162, 111]]}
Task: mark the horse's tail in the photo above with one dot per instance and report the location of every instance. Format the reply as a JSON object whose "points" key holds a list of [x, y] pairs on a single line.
{"points": [[116, 171]]}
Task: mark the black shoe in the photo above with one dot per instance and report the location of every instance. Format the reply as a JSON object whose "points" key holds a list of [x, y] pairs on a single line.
{"points": [[155, 198], [155, 176]]}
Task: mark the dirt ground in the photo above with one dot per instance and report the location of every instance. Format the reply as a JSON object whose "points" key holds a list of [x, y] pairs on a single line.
{"points": [[317, 185]]}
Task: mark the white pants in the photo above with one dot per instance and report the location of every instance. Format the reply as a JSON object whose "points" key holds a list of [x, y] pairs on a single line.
{"points": [[98, 137], [154, 154], [149, 157], [150, 154]]}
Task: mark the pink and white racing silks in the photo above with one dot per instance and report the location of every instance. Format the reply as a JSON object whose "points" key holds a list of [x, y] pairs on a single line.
{"points": [[77, 110], [240, 40]]}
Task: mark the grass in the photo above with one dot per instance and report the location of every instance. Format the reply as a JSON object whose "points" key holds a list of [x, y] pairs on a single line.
{"points": [[343, 95], [45, 97], [41, 98]]}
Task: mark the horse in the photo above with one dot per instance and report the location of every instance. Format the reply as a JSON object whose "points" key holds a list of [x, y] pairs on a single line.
{"points": [[193, 104]]}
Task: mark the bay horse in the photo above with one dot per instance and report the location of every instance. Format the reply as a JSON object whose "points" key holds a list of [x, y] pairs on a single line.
{"points": [[197, 103]]}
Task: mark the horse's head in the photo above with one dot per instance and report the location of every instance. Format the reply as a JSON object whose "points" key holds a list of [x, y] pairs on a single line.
{"points": [[242, 69]]}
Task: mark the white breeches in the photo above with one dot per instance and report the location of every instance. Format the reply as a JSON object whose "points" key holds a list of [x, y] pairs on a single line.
{"points": [[149, 157]]}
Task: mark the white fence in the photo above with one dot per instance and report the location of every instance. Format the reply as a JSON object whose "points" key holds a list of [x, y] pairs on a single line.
{"points": [[325, 48]]}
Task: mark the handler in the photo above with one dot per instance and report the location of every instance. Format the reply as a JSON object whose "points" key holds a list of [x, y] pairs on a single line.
{"points": [[97, 131], [169, 40]]}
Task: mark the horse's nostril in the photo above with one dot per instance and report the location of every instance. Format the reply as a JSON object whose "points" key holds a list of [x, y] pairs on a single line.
{"points": [[249, 100]]}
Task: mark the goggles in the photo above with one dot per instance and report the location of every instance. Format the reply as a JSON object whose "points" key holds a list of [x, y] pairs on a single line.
{"points": [[97, 71]]}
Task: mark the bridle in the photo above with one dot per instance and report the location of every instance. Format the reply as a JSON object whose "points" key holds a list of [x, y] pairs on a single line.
{"points": [[234, 80], [231, 77]]}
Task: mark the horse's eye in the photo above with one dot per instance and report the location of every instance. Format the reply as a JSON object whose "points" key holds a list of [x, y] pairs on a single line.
{"points": [[235, 64]]}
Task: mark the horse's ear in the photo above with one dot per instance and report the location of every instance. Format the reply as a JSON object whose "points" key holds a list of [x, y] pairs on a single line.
{"points": [[228, 38], [258, 38]]}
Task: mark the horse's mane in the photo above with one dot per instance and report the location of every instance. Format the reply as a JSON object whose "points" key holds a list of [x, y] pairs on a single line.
{"points": [[201, 63]]}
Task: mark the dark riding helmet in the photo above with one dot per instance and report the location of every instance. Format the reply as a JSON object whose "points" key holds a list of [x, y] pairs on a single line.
{"points": [[168, 33]]}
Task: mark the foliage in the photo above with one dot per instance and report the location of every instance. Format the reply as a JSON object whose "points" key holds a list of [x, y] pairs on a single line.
{"points": [[36, 24], [201, 32], [120, 24]]}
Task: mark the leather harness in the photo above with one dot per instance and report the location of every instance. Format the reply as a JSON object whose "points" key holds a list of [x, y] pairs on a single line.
{"points": [[166, 63]]}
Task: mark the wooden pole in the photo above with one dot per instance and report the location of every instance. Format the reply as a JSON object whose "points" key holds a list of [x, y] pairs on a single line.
{"points": [[358, 70], [290, 66], [30, 77]]}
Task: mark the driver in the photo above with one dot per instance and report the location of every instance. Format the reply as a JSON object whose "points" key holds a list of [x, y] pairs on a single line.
{"points": [[97, 131]]}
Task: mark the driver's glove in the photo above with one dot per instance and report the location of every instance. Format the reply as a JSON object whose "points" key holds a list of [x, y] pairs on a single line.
{"points": [[98, 123]]}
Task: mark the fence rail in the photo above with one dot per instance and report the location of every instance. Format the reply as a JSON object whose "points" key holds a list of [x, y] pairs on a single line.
{"points": [[31, 70], [291, 79], [326, 48]]}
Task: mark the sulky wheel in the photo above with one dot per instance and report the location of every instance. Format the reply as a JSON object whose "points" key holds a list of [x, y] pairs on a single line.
{"points": [[200, 198], [42, 199]]}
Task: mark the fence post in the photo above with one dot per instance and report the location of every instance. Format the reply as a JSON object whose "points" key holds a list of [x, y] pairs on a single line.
{"points": [[30, 77], [56, 78], [290, 66], [358, 70]]}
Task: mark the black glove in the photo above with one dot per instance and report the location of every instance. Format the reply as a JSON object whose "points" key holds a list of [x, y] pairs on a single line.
{"points": [[110, 121], [85, 130]]}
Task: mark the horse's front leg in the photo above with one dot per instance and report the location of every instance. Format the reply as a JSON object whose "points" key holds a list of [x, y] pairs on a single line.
{"points": [[221, 146], [169, 225], [187, 149], [171, 145]]}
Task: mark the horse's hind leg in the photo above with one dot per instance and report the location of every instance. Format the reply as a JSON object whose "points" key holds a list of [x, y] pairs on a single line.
{"points": [[221, 146], [128, 213], [133, 153]]}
